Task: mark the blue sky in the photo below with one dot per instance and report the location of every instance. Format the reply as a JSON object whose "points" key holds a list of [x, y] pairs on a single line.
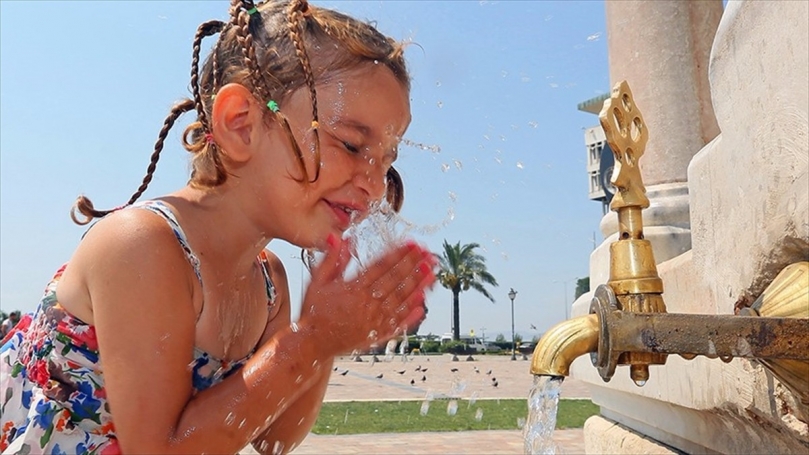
{"points": [[85, 86]]}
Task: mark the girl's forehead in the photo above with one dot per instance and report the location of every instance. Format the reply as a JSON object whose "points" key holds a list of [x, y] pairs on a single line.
{"points": [[371, 102]]}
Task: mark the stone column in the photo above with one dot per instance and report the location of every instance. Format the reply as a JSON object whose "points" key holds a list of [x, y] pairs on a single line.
{"points": [[661, 48]]}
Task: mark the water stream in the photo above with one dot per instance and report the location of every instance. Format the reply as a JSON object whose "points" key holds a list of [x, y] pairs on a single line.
{"points": [[543, 402]]}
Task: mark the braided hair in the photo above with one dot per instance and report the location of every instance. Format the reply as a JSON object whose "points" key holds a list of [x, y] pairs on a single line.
{"points": [[272, 48]]}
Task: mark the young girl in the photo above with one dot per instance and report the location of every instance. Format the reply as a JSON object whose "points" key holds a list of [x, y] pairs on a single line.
{"points": [[169, 330]]}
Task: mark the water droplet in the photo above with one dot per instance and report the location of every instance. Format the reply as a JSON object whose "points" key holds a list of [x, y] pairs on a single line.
{"points": [[263, 446], [452, 408], [440, 104], [499, 161], [444, 167], [278, 448], [554, 85], [520, 165], [458, 164], [229, 419], [594, 37], [533, 124], [520, 422], [299, 379], [425, 407], [376, 62], [371, 161], [452, 196], [486, 136], [438, 83], [525, 79], [504, 73], [479, 414], [377, 294], [345, 419], [639, 382]]}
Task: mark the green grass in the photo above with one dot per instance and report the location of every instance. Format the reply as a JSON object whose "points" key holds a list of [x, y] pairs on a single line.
{"points": [[405, 416]]}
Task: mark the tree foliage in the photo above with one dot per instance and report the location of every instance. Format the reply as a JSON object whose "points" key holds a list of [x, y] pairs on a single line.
{"points": [[462, 269]]}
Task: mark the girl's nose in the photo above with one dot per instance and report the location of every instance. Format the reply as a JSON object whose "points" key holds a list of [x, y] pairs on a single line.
{"points": [[371, 179]]}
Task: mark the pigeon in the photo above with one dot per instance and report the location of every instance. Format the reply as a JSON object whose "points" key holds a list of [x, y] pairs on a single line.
{"points": [[495, 383], [379, 376], [489, 372], [412, 382], [424, 378], [344, 373], [418, 368], [423, 370], [335, 368], [402, 371], [494, 379], [454, 370], [476, 370]]}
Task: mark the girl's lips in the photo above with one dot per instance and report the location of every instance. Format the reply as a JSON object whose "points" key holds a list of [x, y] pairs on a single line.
{"points": [[342, 213]]}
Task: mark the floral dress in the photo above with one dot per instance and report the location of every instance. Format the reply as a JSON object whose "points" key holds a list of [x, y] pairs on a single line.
{"points": [[52, 395]]}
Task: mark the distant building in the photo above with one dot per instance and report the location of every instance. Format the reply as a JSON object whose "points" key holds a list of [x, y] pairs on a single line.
{"points": [[600, 159]]}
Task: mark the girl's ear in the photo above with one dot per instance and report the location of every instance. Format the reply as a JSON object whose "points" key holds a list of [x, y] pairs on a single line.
{"points": [[234, 120]]}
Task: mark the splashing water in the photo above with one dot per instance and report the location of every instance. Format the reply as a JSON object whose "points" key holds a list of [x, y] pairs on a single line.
{"points": [[420, 146], [425, 407], [384, 227], [543, 402]]}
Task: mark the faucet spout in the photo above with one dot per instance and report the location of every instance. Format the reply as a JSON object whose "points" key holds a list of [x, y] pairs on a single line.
{"points": [[563, 343]]}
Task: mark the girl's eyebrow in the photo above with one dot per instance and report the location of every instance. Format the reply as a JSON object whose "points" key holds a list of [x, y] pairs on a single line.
{"points": [[355, 125]]}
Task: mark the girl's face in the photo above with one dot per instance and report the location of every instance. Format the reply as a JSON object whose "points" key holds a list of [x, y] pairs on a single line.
{"points": [[363, 115]]}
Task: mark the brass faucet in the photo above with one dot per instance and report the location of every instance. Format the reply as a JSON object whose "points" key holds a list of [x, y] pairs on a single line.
{"points": [[628, 323]]}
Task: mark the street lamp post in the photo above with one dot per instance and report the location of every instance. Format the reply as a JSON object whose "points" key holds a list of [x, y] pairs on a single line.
{"points": [[512, 294]]}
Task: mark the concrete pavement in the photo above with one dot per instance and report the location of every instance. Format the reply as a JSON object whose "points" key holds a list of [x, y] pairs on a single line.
{"points": [[422, 376]]}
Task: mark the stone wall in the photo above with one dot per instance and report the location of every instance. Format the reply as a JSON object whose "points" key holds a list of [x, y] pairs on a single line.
{"points": [[748, 193]]}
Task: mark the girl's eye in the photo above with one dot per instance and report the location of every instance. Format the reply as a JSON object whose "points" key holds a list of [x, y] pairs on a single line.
{"points": [[351, 148]]}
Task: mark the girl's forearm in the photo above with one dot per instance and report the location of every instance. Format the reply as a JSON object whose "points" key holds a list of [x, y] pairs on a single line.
{"points": [[292, 426], [226, 417]]}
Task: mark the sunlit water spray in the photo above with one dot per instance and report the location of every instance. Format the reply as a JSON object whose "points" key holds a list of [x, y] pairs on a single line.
{"points": [[543, 403]]}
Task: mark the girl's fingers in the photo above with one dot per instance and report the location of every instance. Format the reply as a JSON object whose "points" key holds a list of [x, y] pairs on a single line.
{"points": [[334, 262], [383, 266]]}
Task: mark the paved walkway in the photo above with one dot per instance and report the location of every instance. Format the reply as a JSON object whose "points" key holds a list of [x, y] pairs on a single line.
{"points": [[421, 376]]}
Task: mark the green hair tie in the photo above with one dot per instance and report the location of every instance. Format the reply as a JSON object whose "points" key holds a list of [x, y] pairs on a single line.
{"points": [[273, 106], [252, 10]]}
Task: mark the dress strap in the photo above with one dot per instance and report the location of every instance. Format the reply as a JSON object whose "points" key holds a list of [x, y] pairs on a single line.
{"points": [[265, 269], [164, 211]]}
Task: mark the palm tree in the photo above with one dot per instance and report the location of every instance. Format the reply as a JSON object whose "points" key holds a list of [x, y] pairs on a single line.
{"points": [[462, 269]]}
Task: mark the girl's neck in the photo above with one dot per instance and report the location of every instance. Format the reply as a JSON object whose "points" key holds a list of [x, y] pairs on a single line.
{"points": [[218, 229]]}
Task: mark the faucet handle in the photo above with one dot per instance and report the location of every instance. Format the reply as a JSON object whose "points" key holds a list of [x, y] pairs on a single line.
{"points": [[626, 134]]}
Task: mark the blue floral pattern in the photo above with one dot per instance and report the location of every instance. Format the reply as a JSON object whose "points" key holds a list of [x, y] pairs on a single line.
{"points": [[52, 394]]}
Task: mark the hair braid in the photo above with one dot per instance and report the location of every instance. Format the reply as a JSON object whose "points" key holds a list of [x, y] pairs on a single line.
{"points": [[295, 18], [85, 206], [204, 30], [395, 189], [241, 21]]}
